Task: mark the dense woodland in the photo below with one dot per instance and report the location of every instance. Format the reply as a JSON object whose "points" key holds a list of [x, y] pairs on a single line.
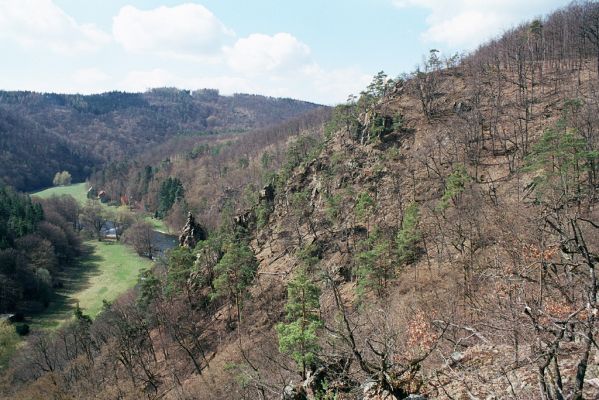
{"points": [[436, 237], [37, 240], [78, 133], [206, 175], [31, 154]]}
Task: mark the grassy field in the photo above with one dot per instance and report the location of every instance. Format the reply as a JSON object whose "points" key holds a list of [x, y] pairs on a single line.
{"points": [[78, 191], [107, 270], [118, 267]]}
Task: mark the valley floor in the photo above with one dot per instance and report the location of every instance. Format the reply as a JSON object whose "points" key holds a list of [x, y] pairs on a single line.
{"points": [[107, 270]]}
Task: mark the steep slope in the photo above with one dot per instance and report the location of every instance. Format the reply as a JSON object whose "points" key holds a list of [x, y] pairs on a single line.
{"points": [[451, 223], [215, 172], [439, 242]]}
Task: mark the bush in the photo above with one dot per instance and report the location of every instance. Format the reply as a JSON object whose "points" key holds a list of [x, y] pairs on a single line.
{"points": [[22, 329], [62, 178]]}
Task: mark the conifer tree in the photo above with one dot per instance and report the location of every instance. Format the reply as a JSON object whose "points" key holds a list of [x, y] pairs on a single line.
{"points": [[298, 336], [409, 235], [234, 273]]}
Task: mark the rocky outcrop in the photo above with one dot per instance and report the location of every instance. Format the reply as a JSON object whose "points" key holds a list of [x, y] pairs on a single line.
{"points": [[267, 194], [246, 219], [191, 233]]}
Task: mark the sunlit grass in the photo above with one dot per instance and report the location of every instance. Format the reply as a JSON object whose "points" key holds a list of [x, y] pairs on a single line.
{"points": [[77, 190], [106, 271]]}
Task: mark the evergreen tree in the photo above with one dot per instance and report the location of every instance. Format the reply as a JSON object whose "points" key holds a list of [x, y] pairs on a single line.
{"points": [[454, 186], [563, 163], [409, 235], [171, 190], [375, 264], [234, 273], [298, 336], [18, 216]]}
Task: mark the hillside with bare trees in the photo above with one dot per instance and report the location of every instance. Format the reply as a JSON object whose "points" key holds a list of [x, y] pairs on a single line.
{"points": [[434, 238], [80, 133]]}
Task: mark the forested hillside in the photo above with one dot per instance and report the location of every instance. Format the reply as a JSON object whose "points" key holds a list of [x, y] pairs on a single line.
{"points": [[44, 133], [436, 238], [211, 174], [36, 241], [30, 154]]}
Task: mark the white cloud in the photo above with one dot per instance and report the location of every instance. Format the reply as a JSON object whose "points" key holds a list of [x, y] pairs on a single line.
{"points": [[259, 53], [330, 86], [90, 80], [275, 64], [467, 23], [187, 30], [141, 80], [42, 24], [90, 75]]}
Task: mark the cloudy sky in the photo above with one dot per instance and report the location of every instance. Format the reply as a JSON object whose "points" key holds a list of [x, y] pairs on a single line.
{"points": [[317, 50]]}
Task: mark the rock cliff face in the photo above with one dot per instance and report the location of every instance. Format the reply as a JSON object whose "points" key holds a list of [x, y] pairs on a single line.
{"points": [[447, 224], [191, 233], [436, 312]]}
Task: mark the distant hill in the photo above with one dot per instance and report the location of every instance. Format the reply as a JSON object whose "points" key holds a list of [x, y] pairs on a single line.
{"points": [[44, 132], [434, 238], [30, 155]]}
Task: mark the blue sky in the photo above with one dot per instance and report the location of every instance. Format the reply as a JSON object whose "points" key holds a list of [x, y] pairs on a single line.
{"points": [[312, 50]]}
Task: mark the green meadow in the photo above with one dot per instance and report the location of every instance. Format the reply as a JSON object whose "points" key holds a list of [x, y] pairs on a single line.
{"points": [[106, 270]]}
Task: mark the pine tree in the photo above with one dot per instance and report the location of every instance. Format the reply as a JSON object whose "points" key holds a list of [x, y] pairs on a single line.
{"points": [[409, 235], [454, 186], [375, 264], [563, 163], [234, 273], [171, 191], [298, 336]]}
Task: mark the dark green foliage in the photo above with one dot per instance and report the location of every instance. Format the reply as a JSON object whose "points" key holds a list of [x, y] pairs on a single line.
{"points": [[333, 207], [80, 317], [149, 288], [375, 265], [380, 86], [34, 244], [365, 206], [180, 263], [263, 211], [298, 336], [303, 149], [18, 216], [171, 191], [234, 273], [454, 186], [22, 329], [564, 163], [408, 235], [381, 125], [309, 254], [345, 117]]}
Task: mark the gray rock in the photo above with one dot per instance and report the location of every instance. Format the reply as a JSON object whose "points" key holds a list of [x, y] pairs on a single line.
{"points": [[191, 233]]}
